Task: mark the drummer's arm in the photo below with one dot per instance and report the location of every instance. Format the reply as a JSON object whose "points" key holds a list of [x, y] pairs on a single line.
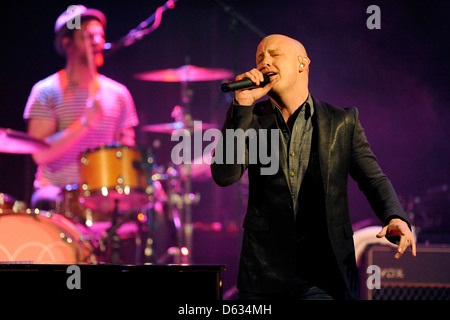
{"points": [[126, 137], [59, 142], [62, 141]]}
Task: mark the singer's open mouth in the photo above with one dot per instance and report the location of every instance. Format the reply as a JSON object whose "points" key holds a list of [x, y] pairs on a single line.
{"points": [[269, 72]]}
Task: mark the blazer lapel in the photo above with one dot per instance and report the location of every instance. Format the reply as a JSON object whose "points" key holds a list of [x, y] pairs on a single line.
{"points": [[267, 118], [268, 121], [325, 130]]}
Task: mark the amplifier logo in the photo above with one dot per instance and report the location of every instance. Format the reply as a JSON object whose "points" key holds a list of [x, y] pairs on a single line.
{"points": [[375, 274], [392, 273]]}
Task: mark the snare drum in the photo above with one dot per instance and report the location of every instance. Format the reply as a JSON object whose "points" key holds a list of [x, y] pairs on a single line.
{"points": [[113, 175], [40, 237]]}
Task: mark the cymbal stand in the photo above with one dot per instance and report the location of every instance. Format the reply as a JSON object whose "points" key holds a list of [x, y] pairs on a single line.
{"points": [[179, 203], [175, 208], [186, 94]]}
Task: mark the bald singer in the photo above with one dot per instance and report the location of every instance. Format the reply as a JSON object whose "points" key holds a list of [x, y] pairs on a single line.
{"points": [[298, 238]]}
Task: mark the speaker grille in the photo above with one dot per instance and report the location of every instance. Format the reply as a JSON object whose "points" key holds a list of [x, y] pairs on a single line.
{"points": [[411, 293]]}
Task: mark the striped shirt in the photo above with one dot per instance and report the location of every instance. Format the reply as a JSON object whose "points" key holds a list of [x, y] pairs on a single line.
{"points": [[57, 98]]}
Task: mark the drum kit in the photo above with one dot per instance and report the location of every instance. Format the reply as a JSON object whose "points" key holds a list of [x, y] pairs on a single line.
{"points": [[116, 204]]}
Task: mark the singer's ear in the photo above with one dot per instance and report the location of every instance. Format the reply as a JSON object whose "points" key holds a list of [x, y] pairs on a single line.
{"points": [[303, 63]]}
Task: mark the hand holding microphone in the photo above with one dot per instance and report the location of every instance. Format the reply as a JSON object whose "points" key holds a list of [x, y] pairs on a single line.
{"points": [[250, 86]]}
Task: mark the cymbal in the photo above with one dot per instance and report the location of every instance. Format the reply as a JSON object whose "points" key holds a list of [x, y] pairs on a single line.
{"points": [[199, 170], [185, 73], [17, 142], [170, 127]]}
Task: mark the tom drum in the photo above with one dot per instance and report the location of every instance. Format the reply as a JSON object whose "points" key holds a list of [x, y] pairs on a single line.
{"points": [[113, 175]]}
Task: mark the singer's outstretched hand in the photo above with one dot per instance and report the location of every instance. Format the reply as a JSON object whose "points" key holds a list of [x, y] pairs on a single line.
{"points": [[398, 227], [247, 97]]}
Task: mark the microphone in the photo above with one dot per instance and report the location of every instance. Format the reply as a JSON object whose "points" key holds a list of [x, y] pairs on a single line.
{"points": [[244, 84]]}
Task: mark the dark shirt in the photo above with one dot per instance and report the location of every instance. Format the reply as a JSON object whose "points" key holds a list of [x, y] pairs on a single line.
{"points": [[297, 145]]}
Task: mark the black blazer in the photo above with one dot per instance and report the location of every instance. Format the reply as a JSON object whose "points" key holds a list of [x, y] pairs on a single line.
{"points": [[269, 242]]}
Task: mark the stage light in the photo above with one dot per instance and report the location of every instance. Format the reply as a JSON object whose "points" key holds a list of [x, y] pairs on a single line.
{"points": [[142, 217], [184, 251]]}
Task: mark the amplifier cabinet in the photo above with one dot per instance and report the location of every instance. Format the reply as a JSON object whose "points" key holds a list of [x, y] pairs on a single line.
{"points": [[424, 277]]}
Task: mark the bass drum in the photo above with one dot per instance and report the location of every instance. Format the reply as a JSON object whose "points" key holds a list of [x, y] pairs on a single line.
{"points": [[41, 238]]}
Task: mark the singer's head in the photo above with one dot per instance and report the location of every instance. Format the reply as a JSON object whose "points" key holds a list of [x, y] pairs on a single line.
{"points": [[287, 58], [79, 30]]}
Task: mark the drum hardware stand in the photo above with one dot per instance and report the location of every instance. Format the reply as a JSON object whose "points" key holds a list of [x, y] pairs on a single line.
{"points": [[182, 214], [179, 208], [148, 242], [112, 236], [178, 201], [115, 239], [147, 166], [173, 209]]}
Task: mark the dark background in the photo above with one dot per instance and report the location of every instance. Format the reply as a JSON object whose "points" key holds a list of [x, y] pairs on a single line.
{"points": [[396, 76]]}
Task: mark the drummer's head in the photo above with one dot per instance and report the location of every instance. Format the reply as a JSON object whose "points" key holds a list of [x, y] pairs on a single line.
{"points": [[71, 28]]}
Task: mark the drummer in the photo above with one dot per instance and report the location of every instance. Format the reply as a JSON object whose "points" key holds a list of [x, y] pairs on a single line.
{"points": [[76, 108]]}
